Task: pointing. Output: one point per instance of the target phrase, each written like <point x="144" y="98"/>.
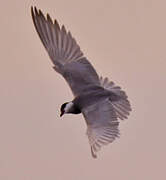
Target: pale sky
<point x="125" y="41"/>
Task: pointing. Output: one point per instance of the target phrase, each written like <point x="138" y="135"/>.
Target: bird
<point x="100" y="100"/>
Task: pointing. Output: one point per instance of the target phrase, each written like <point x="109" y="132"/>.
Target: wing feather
<point x="102" y="125"/>
<point x="64" y="52"/>
<point x="118" y="98"/>
<point x="59" y="44"/>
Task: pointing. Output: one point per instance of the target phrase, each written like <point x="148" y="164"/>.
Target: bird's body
<point x="100" y="101"/>
<point x="91" y="96"/>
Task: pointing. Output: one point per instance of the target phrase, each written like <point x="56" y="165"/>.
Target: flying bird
<point x="101" y="102"/>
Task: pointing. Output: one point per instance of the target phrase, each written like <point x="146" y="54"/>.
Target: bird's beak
<point x="62" y="113"/>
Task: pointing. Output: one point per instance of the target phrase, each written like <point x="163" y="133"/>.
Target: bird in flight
<point x="100" y="101"/>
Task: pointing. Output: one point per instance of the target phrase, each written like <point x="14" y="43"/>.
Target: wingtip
<point x="38" y="12"/>
<point x="93" y="154"/>
<point x="33" y="14"/>
<point x="57" y="24"/>
<point x="35" y="10"/>
<point x="49" y="19"/>
<point x="32" y="10"/>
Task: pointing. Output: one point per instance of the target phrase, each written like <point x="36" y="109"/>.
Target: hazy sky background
<point x="125" y="41"/>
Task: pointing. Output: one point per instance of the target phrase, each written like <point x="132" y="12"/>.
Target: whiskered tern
<point x="100" y="101"/>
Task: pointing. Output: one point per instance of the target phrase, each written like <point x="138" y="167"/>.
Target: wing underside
<point x="102" y="125"/>
<point x="118" y="98"/>
<point x="64" y="52"/>
<point x="59" y="43"/>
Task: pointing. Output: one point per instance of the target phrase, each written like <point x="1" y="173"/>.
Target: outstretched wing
<point x="65" y="53"/>
<point x="118" y="98"/>
<point x="102" y="125"/>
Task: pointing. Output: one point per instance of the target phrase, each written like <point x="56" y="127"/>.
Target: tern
<point x="101" y="102"/>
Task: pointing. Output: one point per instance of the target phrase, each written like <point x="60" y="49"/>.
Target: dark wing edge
<point x="60" y="45"/>
<point x="102" y="125"/>
<point x="118" y="98"/>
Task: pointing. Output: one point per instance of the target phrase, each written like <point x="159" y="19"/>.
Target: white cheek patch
<point x="68" y="107"/>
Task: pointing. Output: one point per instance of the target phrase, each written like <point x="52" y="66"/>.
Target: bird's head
<point x="67" y="108"/>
